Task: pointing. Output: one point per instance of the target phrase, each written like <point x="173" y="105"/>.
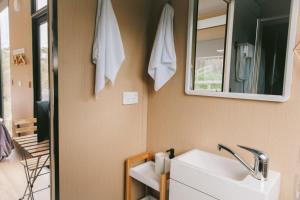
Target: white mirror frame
<point x="226" y="94"/>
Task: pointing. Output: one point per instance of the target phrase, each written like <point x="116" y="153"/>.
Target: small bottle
<point x="171" y="155"/>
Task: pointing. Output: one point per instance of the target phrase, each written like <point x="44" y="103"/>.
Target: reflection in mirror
<point x="210" y="45"/>
<point x="39" y="4"/>
<point x="260" y="37"/>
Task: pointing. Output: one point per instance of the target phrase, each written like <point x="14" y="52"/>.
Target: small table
<point x="36" y="156"/>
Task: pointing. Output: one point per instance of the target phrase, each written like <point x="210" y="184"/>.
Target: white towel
<point x="245" y="58"/>
<point x="162" y="64"/>
<point x="108" y="51"/>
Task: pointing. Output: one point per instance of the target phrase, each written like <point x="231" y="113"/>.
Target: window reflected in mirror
<point x="210" y="45"/>
<point x="39" y="4"/>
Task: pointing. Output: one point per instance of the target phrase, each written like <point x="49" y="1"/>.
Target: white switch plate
<point x="130" y="98"/>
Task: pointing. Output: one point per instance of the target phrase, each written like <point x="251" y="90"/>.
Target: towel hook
<point x="169" y="2"/>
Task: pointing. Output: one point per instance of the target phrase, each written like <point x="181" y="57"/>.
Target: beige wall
<point x="186" y="122"/>
<point x="97" y="135"/>
<point x="21" y="37"/>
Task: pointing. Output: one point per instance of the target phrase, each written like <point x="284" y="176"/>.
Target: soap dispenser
<point x="171" y="155"/>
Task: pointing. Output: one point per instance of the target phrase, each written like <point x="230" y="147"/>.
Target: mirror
<point x="241" y="48"/>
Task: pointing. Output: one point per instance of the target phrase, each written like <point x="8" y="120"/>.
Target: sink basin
<point x="222" y="178"/>
<point x="211" y="163"/>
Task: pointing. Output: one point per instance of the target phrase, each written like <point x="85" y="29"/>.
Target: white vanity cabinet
<point x="180" y="191"/>
<point x="200" y="175"/>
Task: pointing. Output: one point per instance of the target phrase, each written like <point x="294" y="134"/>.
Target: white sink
<point x="221" y="178"/>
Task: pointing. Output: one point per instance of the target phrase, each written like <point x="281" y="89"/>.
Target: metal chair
<point x="33" y="169"/>
<point x="36" y="157"/>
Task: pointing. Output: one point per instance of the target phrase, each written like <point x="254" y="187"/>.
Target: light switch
<point x="20" y="83"/>
<point x="130" y="98"/>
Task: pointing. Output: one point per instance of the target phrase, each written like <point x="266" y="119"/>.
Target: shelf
<point x="148" y="198"/>
<point x="145" y="173"/>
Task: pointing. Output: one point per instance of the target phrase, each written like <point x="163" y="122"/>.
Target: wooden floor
<point x="13" y="180"/>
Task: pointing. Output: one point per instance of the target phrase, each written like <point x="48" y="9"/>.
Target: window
<point x="43" y="32"/>
<point x="40" y="52"/>
<point x="38" y="5"/>
<point x="209" y="73"/>
<point x="41" y="4"/>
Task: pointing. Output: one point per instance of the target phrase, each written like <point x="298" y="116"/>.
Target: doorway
<point x="5" y="75"/>
<point x="25" y="87"/>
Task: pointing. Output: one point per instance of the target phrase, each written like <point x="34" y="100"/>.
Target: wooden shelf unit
<point x="139" y="164"/>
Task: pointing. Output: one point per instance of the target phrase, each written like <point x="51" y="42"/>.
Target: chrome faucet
<point x="260" y="168"/>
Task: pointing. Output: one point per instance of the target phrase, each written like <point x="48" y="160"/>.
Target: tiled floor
<point x="13" y="180"/>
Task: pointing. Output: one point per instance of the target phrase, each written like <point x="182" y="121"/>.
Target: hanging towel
<point x="245" y="66"/>
<point x="245" y="57"/>
<point x="108" y="51"/>
<point x="162" y="64"/>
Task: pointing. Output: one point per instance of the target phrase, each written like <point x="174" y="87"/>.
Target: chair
<point x="36" y="157"/>
<point x="25" y="127"/>
<point x="33" y="153"/>
<point x="33" y="169"/>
